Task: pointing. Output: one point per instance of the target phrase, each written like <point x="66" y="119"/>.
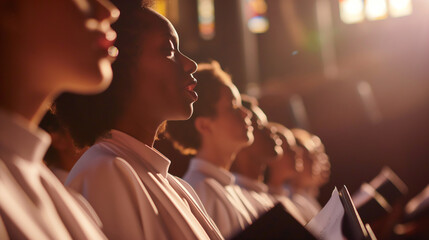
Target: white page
<point x="327" y="223"/>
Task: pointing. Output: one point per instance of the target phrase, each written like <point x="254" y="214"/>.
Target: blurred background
<point x="353" y="72"/>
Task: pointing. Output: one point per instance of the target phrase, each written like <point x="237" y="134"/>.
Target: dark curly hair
<point x="90" y="117"/>
<point x="211" y="78"/>
<point x="51" y="124"/>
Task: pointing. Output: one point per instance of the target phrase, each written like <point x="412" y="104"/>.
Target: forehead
<point x="288" y="136"/>
<point x="258" y="114"/>
<point x="155" y="23"/>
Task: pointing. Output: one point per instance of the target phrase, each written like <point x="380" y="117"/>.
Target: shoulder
<point x="199" y="179"/>
<point x="102" y="168"/>
<point x="211" y="191"/>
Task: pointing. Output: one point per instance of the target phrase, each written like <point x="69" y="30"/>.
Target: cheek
<point x="167" y="79"/>
<point x="228" y="129"/>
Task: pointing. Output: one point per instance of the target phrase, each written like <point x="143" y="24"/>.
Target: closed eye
<point x="170" y="49"/>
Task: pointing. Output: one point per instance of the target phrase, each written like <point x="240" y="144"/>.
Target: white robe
<point x="283" y="196"/>
<point x="128" y="184"/>
<point x="256" y="192"/>
<point x="308" y="206"/>
<point x="222" y="198"/>
<point x="60" y="174"/>
<point x="33" y="203"/>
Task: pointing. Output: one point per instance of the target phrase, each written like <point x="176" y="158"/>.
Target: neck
<point x="275" y="180"/>
<point x="250" y="166"/>
<point x="18" y="97"/>
<point x="278" y="176"/>
<point x="217" y="156"/>
<point x="23" y="92"/>
<point x="144" y="131"/>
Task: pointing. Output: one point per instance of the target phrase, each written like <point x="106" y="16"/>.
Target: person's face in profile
<point x="288" y="160"/>
<point x="305" y="176"/>
<point x="65" y="42"/>
<point x="321" y="167"/>
<point x="267" y="144"/>
<point x="164" y="75"/>
<point x="231" y="127"/>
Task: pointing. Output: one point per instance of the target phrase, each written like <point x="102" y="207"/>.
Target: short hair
<point x="284" y="131"/>
<point x="90" y="117"/>
<point x="303" y="139"/>
<point x="248" y="101"/>
<point x="211" y="78"/>
<point x="252" y="104"/>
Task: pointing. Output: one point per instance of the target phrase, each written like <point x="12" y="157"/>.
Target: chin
<point x="105" y="76"/>
<point x="184" y="114"/>
<point x="95" y="80"/>
<point x="250" y="138"/>
<point x="246" y="141"/>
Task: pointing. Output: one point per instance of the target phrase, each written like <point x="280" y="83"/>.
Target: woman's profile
<point x="121" y="175"/>
<point x="47" y="47"/>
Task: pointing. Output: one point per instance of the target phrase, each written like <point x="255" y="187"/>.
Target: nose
<point x="105" y="12"/>
<point x="276" y="139"/>
<point x="246" y="114"/>
<point x="188" y="64"/>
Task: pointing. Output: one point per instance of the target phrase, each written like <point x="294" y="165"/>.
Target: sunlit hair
<point x="211" y="78"/>
<point x="90" y="117"/>
<point x="284" y="131"/>
<point x="303" y="139"/>
<point x="248" y="102"/>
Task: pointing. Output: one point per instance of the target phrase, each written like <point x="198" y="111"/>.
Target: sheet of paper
<point x="327" y="223"/>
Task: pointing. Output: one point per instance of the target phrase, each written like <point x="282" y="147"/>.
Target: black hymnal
<point x="353" y="227"/>
<point x="276" y="224"/>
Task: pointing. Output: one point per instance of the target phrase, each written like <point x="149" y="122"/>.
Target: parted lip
<point x="106" y="39"/>
<point x="191" y="84"/>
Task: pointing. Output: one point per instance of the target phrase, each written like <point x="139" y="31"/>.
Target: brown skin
<point x="252" y="161"/>
<point x="284" y="169"/>
<point x="159" y="82"/>
<point x="42" y="58"/>
<point x="225" y="134"/>
<point x="316" y="165"/>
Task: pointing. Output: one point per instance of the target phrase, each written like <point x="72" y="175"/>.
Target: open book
<point x="276" y="224"/>
<point x="337" y="220"/>
<point x="353" y="227"/>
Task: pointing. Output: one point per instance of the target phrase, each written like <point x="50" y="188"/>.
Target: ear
<point x="203" y="125"/>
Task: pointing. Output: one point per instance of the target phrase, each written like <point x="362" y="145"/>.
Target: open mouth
<point x="191" y="86"/>
<point x="190" y="90"/>
<point x="105" y="42"/>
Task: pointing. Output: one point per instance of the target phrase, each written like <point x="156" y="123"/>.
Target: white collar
<point x="147" y="154"/>
<point x="221" y="175"/>
<point x="250" y="184"/>
<point x="30" y="143"/>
